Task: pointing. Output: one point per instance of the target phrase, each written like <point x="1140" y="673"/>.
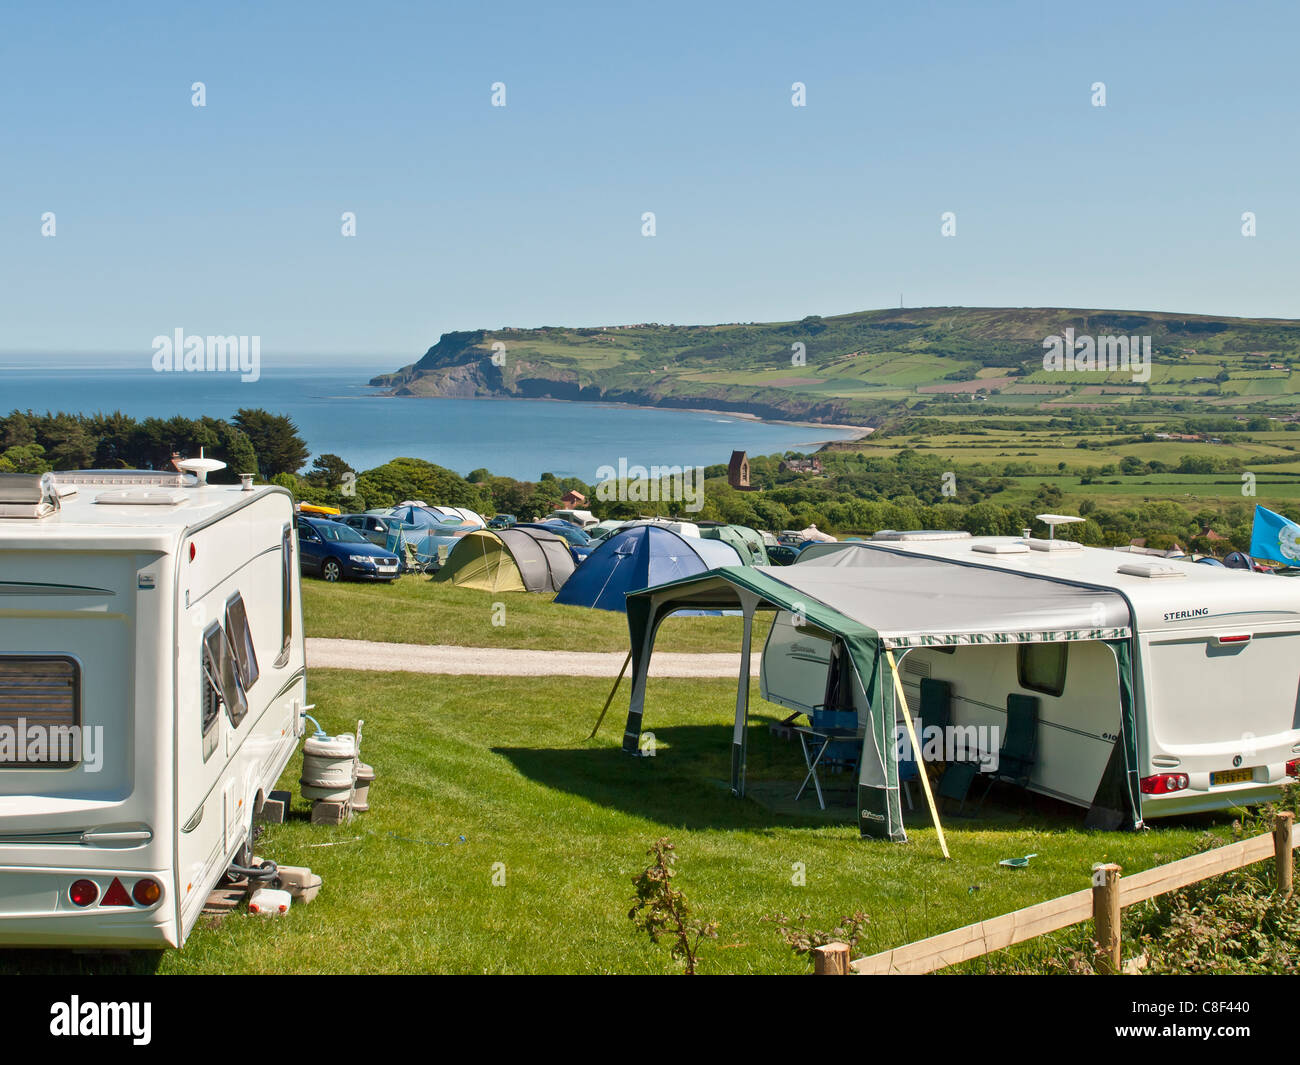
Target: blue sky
<point x="226" y="218"/>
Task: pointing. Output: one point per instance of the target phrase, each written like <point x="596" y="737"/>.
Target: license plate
<point x="1232" y="776"/>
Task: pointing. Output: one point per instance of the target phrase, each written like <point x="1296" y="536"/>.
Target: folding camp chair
<point x="1019" y="748"/>
<point x="936" y="703"/>
<point x="1016" y="755"/>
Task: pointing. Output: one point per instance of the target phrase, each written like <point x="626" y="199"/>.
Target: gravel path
<point x="501" y="662"/>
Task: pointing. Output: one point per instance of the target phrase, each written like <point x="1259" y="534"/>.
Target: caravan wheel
<point x="331" y="570"/>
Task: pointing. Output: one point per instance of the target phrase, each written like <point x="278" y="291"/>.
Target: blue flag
<point x="1275" y="538"/>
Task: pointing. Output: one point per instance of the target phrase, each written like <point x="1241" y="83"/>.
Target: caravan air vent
<point x="27" y="495"/>
<point x="921" y="535"/>
<point x="1151" y="569"/>
<point x="1054" y="545"/>
<point x="143" y="497"/>
<point x="1001" y="547"/>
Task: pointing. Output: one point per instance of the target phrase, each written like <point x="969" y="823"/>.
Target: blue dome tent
<point x="637" y="557"/>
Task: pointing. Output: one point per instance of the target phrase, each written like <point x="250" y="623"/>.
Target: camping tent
<point x="890" y="600"/>
<point x="747" y="543"/>
<point x="509" y="560"/>
<point x="815" y="535"/>
<point x="423" y="516"/>
<point x="638" y="556"/>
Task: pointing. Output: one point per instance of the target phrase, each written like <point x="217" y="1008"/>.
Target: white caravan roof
<point x="914" y="589"/>
<point x="105" y="517"/>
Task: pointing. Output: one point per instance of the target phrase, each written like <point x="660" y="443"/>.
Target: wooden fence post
<point x="1105" y="917"/>
<point x="831" y="960"/>
<point x="1282" y="851"/>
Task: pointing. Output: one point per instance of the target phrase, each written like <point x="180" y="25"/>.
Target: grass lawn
<point x="417" y="610"/>
<point x="505" y="763"/>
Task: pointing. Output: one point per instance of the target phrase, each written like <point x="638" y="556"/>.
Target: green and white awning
<point x="889" y="600"/>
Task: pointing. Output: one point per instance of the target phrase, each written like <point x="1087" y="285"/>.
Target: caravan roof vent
<point x="1152" y="570"/>
<point x="1001" y="547"/>
<point x="921" y="535"/>
<point x="24" y="495"/>
<point x="1054" y="545"/>
<point x="143" y="497"/>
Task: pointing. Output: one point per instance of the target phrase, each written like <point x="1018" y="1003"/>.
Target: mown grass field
<point x="505" y="764"/>
<point x="415" y="609"/>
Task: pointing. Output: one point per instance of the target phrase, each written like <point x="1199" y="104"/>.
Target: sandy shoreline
<point x="857" y="432"/>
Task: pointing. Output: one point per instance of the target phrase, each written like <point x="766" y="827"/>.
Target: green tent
<point x="912" y="602"/>
<point x="746" y="542"/>
<point x="508" y="560"/>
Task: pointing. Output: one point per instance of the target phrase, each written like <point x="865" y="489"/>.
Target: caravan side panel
<point x="225" y="767"/>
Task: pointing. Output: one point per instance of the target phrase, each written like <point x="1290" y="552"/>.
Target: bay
<point x="336" y="411"/>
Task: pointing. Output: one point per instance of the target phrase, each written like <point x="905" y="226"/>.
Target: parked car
<point x="374" y="527"/>
<point x="502" y="521"/>
<point x="333" y="551"/>
<point x="580" y="544"/>
<point x="782" y="554"/>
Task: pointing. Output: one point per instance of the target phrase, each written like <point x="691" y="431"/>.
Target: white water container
<point x="269" y="902"/>
<point x="314" y="793"/>
<point x="330" y="762"/>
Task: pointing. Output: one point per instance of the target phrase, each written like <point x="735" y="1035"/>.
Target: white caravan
<point x="1154" y="687"/>
<point x="152" y="690"/>
<point x="1216" y="660"/>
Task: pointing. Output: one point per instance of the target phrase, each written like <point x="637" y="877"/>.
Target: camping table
<point x="815" y="742"/>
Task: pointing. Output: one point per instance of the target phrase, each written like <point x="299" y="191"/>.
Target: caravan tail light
<point x="83" y="892"/>
<point x="146" y="892"/>
<point x="1293" y="768"/>
<point x="1163" y="783"/>
<point x="1241" y="638"/>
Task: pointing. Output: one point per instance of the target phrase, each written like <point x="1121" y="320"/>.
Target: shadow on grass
<point x="687" y="784"/>
<point x="80" y="963"/>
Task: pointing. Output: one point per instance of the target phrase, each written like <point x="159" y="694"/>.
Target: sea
<point x="336" y="411"/>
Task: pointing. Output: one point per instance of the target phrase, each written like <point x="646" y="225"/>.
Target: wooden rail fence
<point x="1102" y="903"/>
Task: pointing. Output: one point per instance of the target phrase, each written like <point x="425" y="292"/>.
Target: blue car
<point x="580" y="544"/>
<point x="334" y="552"/>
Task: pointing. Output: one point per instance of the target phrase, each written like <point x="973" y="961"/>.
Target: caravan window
<point x="45" y="691"/>
<point x="210" y="702"/>
<point x="286" y="593"/>
<point x="1041" y="667"/>
<point x="241" y="639"/>
<point x="221" y="671"/>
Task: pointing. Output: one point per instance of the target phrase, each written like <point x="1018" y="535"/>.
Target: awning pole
<point x="611" y="696"/>
<point x="916" y="750"/>
<point x="740" y="731"/>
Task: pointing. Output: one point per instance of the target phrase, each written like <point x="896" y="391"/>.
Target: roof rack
<point x="125" y="479"/>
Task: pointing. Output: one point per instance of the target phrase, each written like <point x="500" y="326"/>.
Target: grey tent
<point x="509" y="560"/>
